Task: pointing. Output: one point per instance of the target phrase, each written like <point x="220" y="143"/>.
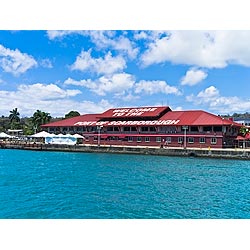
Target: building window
<point x="217" y="128"/>
<point x="116" y="129"/>
<point x="180" y="139"/>
<point x="114" y="138"/>
<point x="130" y="139"/>
<point x="213" y="140"/>
<point x="109" y="129"/>
<point x="144" y="129"/>
<point x="162" y="129"/>
<point x="207" y="128"/>
<point x="138" y="139"/>
<point x="79" y="129"/>
<point x="158" y="139"/>
<point x="147" y="139"/>
<point x="91" y="129"/>
<point x="126" y="129"/>
<point x="194" y="129"/>
<point x="202" y="140"/>
<point x="133" y="129"/>
<point x="152" y="129"/>
<point x="168" y="140"/>
<point x="190" y="139"/>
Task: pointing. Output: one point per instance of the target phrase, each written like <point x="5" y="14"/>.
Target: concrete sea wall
<point x="189" y="152"/>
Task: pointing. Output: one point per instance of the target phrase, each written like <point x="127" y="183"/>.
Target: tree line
<point x="238" y="116"/>
<point x="30" y="125"/>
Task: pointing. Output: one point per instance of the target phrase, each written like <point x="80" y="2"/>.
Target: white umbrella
<point x="61" y="135"/>
<point x="77" y="136"/>
<point x="4" y="135"/>
<point x="41" y="134"/>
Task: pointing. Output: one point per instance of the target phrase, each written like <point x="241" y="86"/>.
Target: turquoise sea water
<point x="84" y="185"/>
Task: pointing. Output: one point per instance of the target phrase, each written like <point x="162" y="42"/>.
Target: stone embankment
<point x="189" y="152"/>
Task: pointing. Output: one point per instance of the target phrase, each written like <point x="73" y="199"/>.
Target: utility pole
<point x="99" y="135"/>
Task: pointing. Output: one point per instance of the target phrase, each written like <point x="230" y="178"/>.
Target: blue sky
<point x="91" y="71"/>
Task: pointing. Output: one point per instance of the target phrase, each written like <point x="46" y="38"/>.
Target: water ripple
<point x="81" y="185"/>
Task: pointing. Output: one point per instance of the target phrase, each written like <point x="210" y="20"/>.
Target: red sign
<point x="134" y="112"/>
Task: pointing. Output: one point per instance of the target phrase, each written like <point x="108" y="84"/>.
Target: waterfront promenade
<point x="227" y="153"/>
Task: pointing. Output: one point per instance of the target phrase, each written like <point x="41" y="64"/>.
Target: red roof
<point x="196" y="117"/>
<point x="246" y="137"/>
<point x="180" y="118"/>
<point x="240" y="138"/>
<point x="73" y="121"/>
<point x="135" y="112"/>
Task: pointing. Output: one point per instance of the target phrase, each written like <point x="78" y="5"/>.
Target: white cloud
<point x="211" y="98"/>
<point x="49" y="98"/>
<point x="46" y="63"/>
<point x="127" y="97"/>
<point x="211" y="49"/>
<point x="209" y="93"/>
<point x="45" y="92"/>
<point x="154" y="87"/>
<point x="102" y="39"/>
<point x="117" y="83"/>
<point x="106" y="65"/>
<point x="107" y="39"/>
<point x="54" y="34"/>
<point x="15" y="62"/>
<point x="139" y="35"/>
<point x="124" y="44"/>
<point x="99" y="35"/>
<point x="193" y="76"/>
<point x="178" y="108"/>
<point x="90" y="84"/>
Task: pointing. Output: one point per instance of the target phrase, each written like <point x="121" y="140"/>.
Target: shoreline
<point x="229" y="153"/>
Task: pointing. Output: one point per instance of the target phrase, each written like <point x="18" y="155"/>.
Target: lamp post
<point x="99" y="134"/>
<point x="185" y="136"/>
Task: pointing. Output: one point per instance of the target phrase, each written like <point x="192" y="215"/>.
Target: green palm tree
<point x="14" y="118"/>
<point x="39" y="118"/>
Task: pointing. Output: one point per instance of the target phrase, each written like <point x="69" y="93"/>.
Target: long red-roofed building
<point x="151" y="126"/>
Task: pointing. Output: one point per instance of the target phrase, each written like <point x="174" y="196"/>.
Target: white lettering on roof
<point x="138" y="123"/>
<point x="132" y="112"/>
<point x="88" y="123"/>
<point x="85" y="123"/>
<point x="126" y="123"/>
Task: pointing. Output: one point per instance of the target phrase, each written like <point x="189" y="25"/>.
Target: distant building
<point x="243" y="122"/>
<point x="15" y="132"/>
<point x="151" y="126"/>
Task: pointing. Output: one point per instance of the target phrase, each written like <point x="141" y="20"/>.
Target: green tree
<point x="244" y="131"/>
<point x="28" y="127"/>
<point x="72" y="114"/>
<point x="39" y="118"/>
<point x="14" y="119"/>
